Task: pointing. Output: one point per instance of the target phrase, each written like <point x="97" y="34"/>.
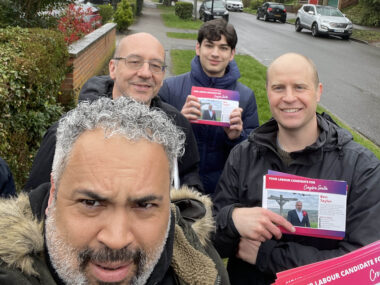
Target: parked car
<point x="218" y="11"/>
<point x="234" y="5"/>
<point x="323" y="20"/>
<point x="272" y="11"/>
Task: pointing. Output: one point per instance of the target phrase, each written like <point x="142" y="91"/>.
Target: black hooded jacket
<point x="101" y="86"/>
<point x="333" y="156"/>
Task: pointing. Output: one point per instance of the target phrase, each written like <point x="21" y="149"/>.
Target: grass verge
<point x="250" y="11"/>
<point x="365" y="35"/>
<point x="172" y="21"/>
<point x="253" y="74"/>
<point x="186" y="36"/>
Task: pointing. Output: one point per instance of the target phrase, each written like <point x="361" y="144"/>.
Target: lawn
<point x="186" y="36"/>
<point x="253" y="75"/>
<point x="172" y="21"/>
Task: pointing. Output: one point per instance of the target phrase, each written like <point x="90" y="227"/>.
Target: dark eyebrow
<point x="145" y="199"/>
<point x="90" y="194"/>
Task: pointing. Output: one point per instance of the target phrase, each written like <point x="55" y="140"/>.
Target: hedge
<point x="184" y="10"/>
<point x="32" y="68"/>
<point x="106" y="12"/>
<point x="123" y="16"/>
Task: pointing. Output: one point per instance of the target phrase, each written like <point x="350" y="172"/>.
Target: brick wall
<point x="87" y="58"/>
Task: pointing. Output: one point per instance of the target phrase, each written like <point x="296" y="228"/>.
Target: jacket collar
<point x="331" y="137"/>
<point x="200" y="78"/>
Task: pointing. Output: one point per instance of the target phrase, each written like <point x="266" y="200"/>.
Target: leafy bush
<point x="106" y="12"/>
<point x="184" y="10"/>
<point x="76" y="22"/>
<point x="123" y="16"/>
<point x="246" y="3"/>
<point x="370" y="14"/>
<point x="133" y="6"/>
<point x="32" y="68"/>
<point x="256" y="4"/>
<point x="29" y="13"/>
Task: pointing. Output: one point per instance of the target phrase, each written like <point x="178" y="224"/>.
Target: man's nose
<point x="144" y="70"/>
<point x="116" y="232"/>
<point x="289" y="94"/>
<point x="215" y="51"/>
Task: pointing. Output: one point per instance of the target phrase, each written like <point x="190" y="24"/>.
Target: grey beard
<point x="68" y="263"/>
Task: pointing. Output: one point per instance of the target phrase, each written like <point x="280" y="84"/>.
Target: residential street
<point x="349" y="70"/>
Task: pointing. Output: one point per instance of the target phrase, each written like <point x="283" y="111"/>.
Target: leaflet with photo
<point x="316" y="207"/>
<point x="216" y="105"/>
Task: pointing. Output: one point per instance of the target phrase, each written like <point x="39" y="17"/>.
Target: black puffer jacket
<point x="333" y="156"/>
<point x="93" y="89"/>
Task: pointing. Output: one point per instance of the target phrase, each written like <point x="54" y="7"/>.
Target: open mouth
<point x="111" y="272"/>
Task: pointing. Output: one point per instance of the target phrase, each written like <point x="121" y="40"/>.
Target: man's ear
<point x="51" y="194"/>
<point x="197" y="48"/>
<point x="112" y="65"/>
<point x="319" y="91"/>
<point x="232" y="54"/>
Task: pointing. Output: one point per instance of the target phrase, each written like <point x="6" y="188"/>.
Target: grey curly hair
<point x="123" y="116"/>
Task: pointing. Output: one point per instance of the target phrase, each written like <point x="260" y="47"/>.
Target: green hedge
<point x="123" y="16"/>
<point x="32" y="68"/>
<point x="106" y="12"/>
<point x="184" y="10"/>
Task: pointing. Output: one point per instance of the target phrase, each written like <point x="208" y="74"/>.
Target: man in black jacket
<point x="137" y="70"/>
<point x="300" y="142"/>
<point x="107" y="216"/>
<point x="7" y="185"/>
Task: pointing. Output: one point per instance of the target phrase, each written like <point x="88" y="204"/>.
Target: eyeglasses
<point x="135" y="63"/>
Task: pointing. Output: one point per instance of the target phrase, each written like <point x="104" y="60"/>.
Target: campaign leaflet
<point x="216" y="105"/>
<point x="361" y="266"/>
<point x="323" y="203"/>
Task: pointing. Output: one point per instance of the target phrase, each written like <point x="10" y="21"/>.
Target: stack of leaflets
<point x="361" y="266"/>
<point x="323" y="203"/>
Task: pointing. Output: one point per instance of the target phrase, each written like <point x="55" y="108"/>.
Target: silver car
<point x="323" y="20"/>
<point x="234" y="5"/>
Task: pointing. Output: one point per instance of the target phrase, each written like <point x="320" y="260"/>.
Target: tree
<point x="28" y="13"/>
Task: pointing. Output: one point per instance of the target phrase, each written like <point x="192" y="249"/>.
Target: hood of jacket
<point x="200" y="78"/>
<point x="331" y="138"/>
<point x="24" y="236"/>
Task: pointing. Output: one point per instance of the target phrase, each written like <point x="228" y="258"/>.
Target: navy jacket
<point x="7" y="185"/>
<point x="213" y="144"/>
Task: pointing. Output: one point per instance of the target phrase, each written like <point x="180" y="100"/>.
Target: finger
<point x="192" y="98"/>
<point x="235" y="121"/>
<point x="281" y="221"/>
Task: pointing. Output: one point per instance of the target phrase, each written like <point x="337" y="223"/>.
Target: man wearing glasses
<point x="137" y="70"/>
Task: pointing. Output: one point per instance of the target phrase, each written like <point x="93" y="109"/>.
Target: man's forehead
<point x="148" y="48"/>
